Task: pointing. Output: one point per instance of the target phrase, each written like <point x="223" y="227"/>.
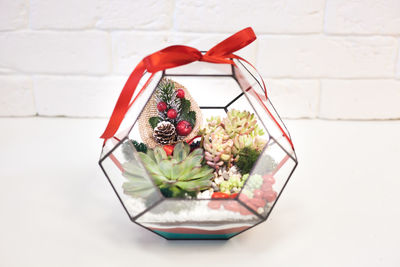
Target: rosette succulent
<point x="218" y="148"/>
<point x="137" y="184"/>
<point x="212" y="124"/>
<point x="234" y="136"/>
<point x="179" y="175"/>
<point x="242" y="141"/>
<point x="241" y="123"/>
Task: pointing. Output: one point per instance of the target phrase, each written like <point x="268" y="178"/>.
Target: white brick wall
<point x="14" y="14"/>
<point x="16" y="96"/>
<point x="333" y="59"/>
<point x="358" y="98"/>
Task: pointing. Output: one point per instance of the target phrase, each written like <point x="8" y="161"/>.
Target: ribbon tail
<point x="233" y="43"/>
<point x="124" y="99"/>
<point x="266" y="98"/>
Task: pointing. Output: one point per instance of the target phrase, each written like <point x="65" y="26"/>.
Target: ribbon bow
<point x="175" y="56"/>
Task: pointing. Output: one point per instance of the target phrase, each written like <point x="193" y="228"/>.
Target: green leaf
<point x="151" y="165"/>
<point x="185" y="106"/>
<point x="136" y="191"/>
<point x="166" y="168"/>
<point x="154" y="121"/>
<point x="190" y="117"/>
<point x="150" y="153"/>
<point x="205" y="172"/>
<point x="134" y="169"/>
<point x="180" y="151"/>
<point x="159" y="154"/>
<point x="194" y="185"/>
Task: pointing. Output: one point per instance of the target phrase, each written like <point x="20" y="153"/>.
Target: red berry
<point x="168" y="149"/>
<point x="183" y="128"/>
<point x="171" y="113"/>
<point x="161" y="106"/>
<point x="180" y="93"/>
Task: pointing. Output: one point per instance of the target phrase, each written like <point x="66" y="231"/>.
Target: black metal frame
<point x="225" y="108"/>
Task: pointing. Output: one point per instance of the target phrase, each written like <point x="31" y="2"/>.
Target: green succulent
<point x="233" y="184"/>
<point x="212" y="124"/>
<point x="179" y="175"/>
<point x="137" y="184"/>
<point x="127" y="148"/>
<point x="255" y="182"/>
<point x="242" y="141"/>
<point x="241" y="123"/>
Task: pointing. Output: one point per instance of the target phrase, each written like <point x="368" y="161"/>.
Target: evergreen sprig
<point x="165" y="90"/>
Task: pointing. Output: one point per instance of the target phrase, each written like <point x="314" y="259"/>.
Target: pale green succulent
<point x="178" y="175"/>
<point x="211" y="125"/>
<point x="242" y="141"/>
<point x="233" y="184"/>
<point x="254" y="182"/>
<point x="241" y="123"/>
<point x="137" y="184"/>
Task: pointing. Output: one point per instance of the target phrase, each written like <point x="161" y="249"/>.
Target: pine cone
<point x="164" y="133"/>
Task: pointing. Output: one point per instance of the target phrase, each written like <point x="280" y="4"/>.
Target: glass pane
<point x="254" y="92"/>
<point x="129" y="179"/>
<point x="267" y="179"/>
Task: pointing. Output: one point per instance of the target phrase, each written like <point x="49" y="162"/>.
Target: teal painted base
<point x="193" y="236"/>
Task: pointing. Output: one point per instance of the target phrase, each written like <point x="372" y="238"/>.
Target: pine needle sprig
<point x="166" y="93"/>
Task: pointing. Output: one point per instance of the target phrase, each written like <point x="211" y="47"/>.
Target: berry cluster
<point x="174" y="112"/>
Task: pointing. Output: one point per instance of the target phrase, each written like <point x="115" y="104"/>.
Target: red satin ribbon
<point x="174" y="56"/>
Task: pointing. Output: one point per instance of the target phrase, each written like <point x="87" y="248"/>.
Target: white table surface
<point x="341" y="208"/>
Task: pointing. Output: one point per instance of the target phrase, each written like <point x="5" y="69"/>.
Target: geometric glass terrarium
<point x="214" y="205"/>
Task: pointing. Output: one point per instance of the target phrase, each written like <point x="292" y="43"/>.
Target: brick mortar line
<point x="397" y="61"/>
<point x="122" y="75"/>
<point x="176" y="31"/>
<point x="284" y="118"/>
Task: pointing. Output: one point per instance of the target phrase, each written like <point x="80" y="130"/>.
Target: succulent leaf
<point x="180" y="152"/>
<point x="137" y="184"/>
<point x="180" y="174"/>
<point x="159" y="154"/>
<point x="165" y="167"/>
<point x="150" y="153"/>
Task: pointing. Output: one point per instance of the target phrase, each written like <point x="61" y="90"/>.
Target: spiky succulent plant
<point x="242" y="141"/>
<point x="241" y="123"/>
<point x="212" y="124"/>
<point x="179" y="175"/>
